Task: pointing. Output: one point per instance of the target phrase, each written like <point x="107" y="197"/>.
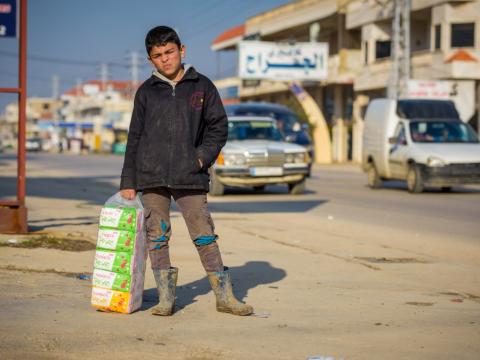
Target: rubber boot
<point x="226" y="302"/>
<point x="166" y="284"/>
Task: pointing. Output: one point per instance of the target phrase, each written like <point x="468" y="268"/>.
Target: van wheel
<point x="414" y="179"/>
<point x="374" y="181"/>
<point x="297" y="188"/>
<point x="216" y="187"/>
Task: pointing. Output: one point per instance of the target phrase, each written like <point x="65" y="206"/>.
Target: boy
<point x="177" y="130"/>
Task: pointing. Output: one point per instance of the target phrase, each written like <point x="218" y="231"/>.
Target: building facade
<point x="445" y="45"/>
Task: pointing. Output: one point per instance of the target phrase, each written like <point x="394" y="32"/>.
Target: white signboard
<point x="282" y="61"/>
<point x="461" y="92"/>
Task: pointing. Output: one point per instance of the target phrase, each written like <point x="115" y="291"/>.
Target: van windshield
<point x="442" y="132"/>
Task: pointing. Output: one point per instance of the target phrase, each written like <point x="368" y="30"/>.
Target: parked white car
<point x="421" y="141"/>
<point x="256" y="155"/>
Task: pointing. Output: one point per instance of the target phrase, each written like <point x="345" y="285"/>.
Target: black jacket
<point x="171" y="128"/>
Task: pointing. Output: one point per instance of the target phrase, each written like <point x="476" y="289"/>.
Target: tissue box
<point x="120" y="262"/>
<point x="117" y="301"/>
<point x="111" y="280"/>
<point x="116" y="240"/>
<point x="121" y="218"/>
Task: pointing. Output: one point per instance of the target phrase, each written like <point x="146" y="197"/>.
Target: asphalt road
<point x="337" y="191"/>
<point x="340" y="271"/>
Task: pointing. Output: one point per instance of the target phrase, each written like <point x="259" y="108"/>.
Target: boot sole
<point x="162" y="312"/>
<point x="230" y="311"/>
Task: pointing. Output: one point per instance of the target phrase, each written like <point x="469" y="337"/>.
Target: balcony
<point x="424" y="65"/>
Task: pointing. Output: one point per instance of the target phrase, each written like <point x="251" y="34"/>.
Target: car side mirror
<point x="392" y="140"/>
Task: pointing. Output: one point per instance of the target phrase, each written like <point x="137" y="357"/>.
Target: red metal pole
<point x="13" y="214"/>
<point x="22" y="103"/>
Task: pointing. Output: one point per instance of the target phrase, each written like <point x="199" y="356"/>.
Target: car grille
<point x="270" y="158"/>
<point x="464" y="169"/>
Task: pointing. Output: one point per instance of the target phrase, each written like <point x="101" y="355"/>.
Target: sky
<point x="71" y="38"/>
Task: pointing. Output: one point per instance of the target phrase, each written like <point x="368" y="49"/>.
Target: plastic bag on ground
<point x="120" y="258"/>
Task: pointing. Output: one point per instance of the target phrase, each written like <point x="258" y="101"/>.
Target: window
<point x="400" y="135"/>
<point x="463" y="35"/>
<point x="382" y="49"/>
<point x="365" y="49"/>
<point x="438" y="36"/>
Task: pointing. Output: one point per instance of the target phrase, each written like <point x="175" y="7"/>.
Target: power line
<point x="62" y="61"/>
<point x="216" y="23"/>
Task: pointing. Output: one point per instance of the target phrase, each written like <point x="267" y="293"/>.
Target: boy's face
<point x="167" y="59"/>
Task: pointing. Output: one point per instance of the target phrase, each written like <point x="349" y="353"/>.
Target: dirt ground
<point x="321" y="285"/>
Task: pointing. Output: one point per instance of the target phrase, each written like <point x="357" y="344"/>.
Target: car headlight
<point x="295" y="158"/>
<point x="234" y="159"/>
<point x="435" y="162"/>
<point x="301" y="158"/>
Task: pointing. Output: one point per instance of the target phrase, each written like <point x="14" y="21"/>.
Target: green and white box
<point x="120" y="218"/>
<point x="111" y="280"/>
<point x="116" y="240"/>
<point x="119" y="262"/>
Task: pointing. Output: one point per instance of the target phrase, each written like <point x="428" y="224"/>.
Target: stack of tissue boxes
<point x="120" y="260"/>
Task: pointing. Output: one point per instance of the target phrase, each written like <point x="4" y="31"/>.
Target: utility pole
<point x="55" y="86"/>
<point x="104" y="75"/>
<point x="400" y="45"/>
<point x="78" y="91"/>
<point x="134" y="67"/>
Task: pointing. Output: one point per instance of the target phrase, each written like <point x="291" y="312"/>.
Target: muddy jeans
<point x="193" y="205"/>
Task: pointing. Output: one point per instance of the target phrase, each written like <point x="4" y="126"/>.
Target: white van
<point x="421" y="141"/>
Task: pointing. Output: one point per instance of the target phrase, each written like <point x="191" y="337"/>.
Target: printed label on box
<point x="117" y="240"/>
<point x="113" y="261"/>
<point x="110" y="300"/>
<point x="111" y="280"/>
<point x="118" y="218"/>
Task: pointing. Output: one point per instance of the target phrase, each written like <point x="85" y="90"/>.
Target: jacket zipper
<point x="172" y="128"/>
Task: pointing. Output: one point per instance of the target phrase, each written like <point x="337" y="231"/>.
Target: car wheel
<point x="216" y="187"/>
<point x="297" y="188"/>
<point x="373" y="178"/>
<point x="259" y="188"/>
<point x="414" y="179"/>
<point x="446" y="189"/>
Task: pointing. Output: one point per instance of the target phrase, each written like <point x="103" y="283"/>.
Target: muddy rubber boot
<point x="166" y="284"/>
<point x="226" y="302"/>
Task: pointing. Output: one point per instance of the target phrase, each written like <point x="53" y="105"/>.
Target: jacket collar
<point x="190" y="74"/>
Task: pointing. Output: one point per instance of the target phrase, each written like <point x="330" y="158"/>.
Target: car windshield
<point x="253" y="130"/>
<point x="442" y="132"/>
<point x="286" y="119"/>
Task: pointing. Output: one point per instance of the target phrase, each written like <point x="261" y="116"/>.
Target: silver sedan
<point x="257" y="155"/>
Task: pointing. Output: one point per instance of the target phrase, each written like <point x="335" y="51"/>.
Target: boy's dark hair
<point x="160" y="36"/>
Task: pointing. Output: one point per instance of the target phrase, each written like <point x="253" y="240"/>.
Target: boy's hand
<point x="128" y="194"/>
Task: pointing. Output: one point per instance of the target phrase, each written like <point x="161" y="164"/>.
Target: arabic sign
<point x="278" y="61"/>
<point x="8" y="18"/>
<point x="462" y="92"/>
